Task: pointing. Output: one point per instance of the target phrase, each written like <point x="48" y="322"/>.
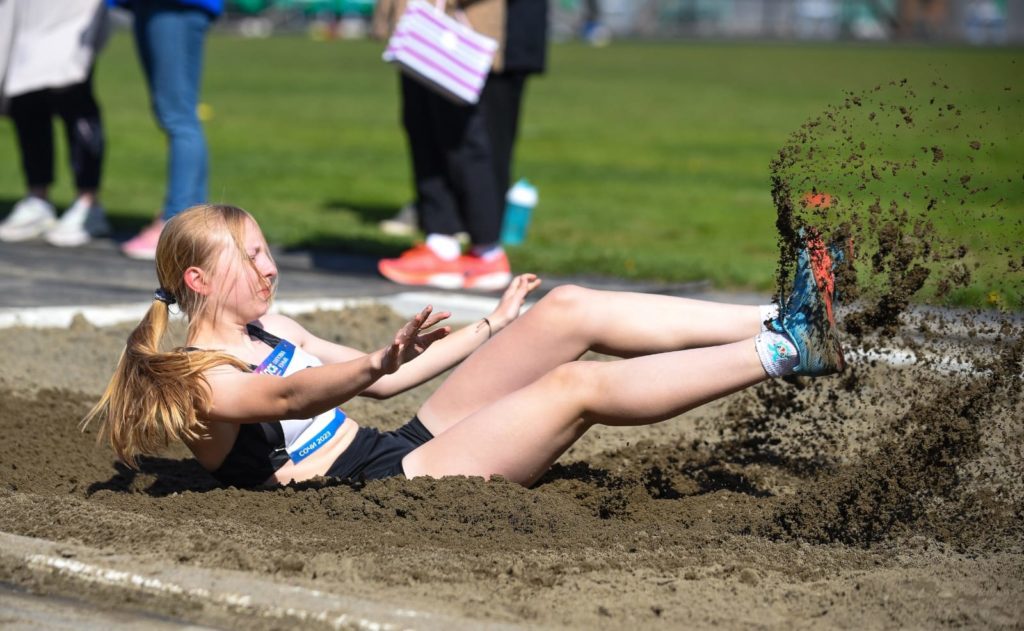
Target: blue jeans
<point x="169" y="39"/>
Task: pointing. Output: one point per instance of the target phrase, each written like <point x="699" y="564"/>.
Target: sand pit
<point x="888" y="496"/>
<point x="884" y="497"/>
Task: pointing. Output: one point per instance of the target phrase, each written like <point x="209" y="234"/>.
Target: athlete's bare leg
<point x="568" y="322"/>
<point x="522" y="433"/>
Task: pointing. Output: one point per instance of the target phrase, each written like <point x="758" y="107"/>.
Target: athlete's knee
<point x="567" y="301"/>
<point x="579" y="379"/>
<point x="567" y="296"/>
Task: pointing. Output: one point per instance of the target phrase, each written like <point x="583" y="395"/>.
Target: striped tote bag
<point x="443" y="53"/>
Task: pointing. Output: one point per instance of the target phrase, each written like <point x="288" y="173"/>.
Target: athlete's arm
<point x="444" y="353"/>
<point x="456" y="347"/>
<point x="238" y="397"/>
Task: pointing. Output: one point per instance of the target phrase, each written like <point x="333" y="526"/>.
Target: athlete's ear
<point x="195" y="279"/>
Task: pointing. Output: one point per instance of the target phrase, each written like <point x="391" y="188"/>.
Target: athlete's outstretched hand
<point x="414" y="338"/>
<point x="512" y="301"/>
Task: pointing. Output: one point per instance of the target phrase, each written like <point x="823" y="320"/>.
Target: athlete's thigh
<point x="518" y="436"/>
<point x="523" y="352"/>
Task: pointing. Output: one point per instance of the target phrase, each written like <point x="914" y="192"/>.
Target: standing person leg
<point x="170" y="45"/>
<point x="435" y="263"/>
<point x="34" y="215"/>
<point x="434" y="194"/>
<point x="470" y="159"/>
<point x="471" y="162"/>
<point x="501" y="102"/>
<point x="83" y="127"/>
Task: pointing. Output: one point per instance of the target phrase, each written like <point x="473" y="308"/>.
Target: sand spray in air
<point x="912" y="177"/>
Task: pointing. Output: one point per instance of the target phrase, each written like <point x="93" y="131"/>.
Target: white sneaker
<point x="29" y="218"/>
<point x="78" y="225"/>
<point x="402" y="224"/>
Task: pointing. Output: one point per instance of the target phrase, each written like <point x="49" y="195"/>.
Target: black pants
<point x="33" y="120"/>
<point x="501" y="101"/>
<point x="453" y="165"/>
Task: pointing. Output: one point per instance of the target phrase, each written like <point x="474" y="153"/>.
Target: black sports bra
<point x="259" y="448"/>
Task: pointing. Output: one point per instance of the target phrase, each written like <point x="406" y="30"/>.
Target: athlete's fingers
<point x="423" y="315"/>
<point x="416" y="322"/>
<point x="390" y="359"/>
<point x="513" y="287"/>
<point x="435" y="318"/>
<point x="432" y="336"/>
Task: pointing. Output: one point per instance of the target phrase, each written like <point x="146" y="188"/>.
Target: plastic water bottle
<point x="519" y="204"/>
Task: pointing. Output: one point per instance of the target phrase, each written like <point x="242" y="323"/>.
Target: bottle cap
<point x="523" y="194"/>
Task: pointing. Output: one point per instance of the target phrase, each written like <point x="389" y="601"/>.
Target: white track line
<point x="407" y="304"/>
<point x="233" y="601"/>
<point x="233" y="592"/>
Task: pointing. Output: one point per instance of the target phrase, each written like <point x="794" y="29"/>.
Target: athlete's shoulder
<point x="282" y="326"/>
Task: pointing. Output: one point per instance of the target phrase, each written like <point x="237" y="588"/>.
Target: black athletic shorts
<point x="374" y="454"/>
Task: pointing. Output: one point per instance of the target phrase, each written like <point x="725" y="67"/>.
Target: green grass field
<point x="652" y="160"/>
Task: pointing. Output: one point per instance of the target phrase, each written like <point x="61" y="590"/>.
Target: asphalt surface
<point x="34" y="274"/>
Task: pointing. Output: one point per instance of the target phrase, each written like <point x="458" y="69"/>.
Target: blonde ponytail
<point x="153" y="396"/>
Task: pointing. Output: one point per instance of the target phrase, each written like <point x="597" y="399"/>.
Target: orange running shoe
<point x="421" y="266"/>
<point x="485" y="274"/>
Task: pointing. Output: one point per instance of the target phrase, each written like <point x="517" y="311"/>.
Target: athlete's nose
<point x="266" y="267"/>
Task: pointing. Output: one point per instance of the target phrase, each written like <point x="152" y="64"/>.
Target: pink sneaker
<point x="143" y="245"/>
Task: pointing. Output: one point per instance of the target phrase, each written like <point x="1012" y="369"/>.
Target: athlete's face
<point x="249" y="281"/>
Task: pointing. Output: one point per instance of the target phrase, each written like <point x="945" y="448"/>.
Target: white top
<point x="48" y="43"/>
<point x="301" y="436"/>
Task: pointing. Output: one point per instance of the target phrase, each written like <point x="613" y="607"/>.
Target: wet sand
<point x="882" y="497"/>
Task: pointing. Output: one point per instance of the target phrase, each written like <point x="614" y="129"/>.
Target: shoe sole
<point x="140" y="256"/>
<point x="67" y="242"/>
<point x="488" y="282"/>
<point x="71" y="240"/>
<point x="821" y="262"/>
<point x="13" y="235"/>
<point x="447" y="280"/>
<point x="395" y="228"/>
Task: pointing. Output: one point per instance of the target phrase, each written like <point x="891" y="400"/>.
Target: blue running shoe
<point x="807" y="317"/>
